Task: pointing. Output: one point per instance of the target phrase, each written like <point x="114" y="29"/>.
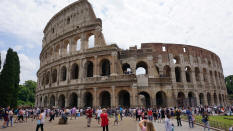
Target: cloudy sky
<point x="204" y="23"/>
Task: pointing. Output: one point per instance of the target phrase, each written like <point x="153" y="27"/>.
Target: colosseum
<point x="78" y="68"/>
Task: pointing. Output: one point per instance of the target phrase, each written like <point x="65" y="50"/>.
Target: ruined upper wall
<point x="75" y="17"/>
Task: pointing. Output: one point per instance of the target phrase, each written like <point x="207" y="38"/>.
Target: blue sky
<point x="204" y="23"/>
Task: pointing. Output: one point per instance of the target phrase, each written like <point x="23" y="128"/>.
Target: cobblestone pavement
<point x="128" y="124"/>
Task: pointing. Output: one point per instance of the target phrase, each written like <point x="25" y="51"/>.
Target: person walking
<point x="11" y="117"/>
<point x="190" y="117"/>
<point x="5" y="117"/>
<point x="104" y="119"/>
<point x="40" y="121"/>
<point x="168" y="124"/>
<point x="178" y="118"/>
<point x="98" y="113"/>
<point x="146" y="125"/>
<point x="205" y="120"/>
<point x="89" y="116"/>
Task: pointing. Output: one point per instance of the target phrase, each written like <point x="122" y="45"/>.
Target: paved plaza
<point x="128" y="124"/>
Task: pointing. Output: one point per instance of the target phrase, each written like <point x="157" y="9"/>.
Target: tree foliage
<point x="229" y="84"/>
<point x="9" y="79"/>
<point x="26" y="94"/>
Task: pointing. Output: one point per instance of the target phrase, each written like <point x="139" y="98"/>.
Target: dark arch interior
<point x="191" y="99"/>
<point x="143" y="65"/>
<point x="45" y="101"/>
<point x="161" y="100"/>
<point x="126" y="68"/>
<point x="105" y="99"/>
<point x="167" y="71"/>
<point x="181" y="99"/>
<point x="209" y="98"/>
<point x="52" y="101"/>
<point x="201" y="98"/>
<point x="88" y="99"/>
<point x="54" y="76"/>
<point x="89" y="69"/>
<point x="105" y="66"/>
<point x="178" y="74"/>
<point x="215" y="99"/>
<point x="73" y="100"/>
<point x="146" y="100"/>
<point x="124" y="99"/>
<point x="74" y="71"/>
<point x="47" y="78"/>
<point x="61" y="101"/>
<point x="188" y="74"/>
<point x="197" y="74"/>
<point x="63" y="73"/>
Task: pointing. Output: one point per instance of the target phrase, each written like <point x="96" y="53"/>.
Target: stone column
<point x="84" y="42"/>
<point x="113" y="100"/>
<point x="133" y="101"/>
<point x="96" y="67"/>
<point x="95" y="98"/>
<point x="151" y="70"/>
<point x="66" y="100"/>
<point x="73" y="46"/>
<point x="183" y="76"/>
<point x="113" y="65"/>
<point x="56" y="100"/>
<point x="79" y="98"/>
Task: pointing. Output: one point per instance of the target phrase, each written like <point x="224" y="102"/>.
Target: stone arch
<point x="201" y="98"/>
<point x="167" y="71"/>
<point x="58" y="50"/>
<point x="197" y="73"/>
<point x="220" y="99"/>
<point x="52" y="101"/>
<point x="89" y="68"/>
<point x="41" y="100"/>
<point x="144" y="98"/>
<point x="124" y="98"/>
<point x="126" y="68"/>
<point x="74" y="71"/>
<point x="141" y="65"/>
<point x="188" y="74"/>
<point x="215" y="99"/>
<point x="178" y="74"/>
<point x="181" y="99"/>
<point x="91" y="40"/>
<point x="77" y="40"/>
<point x="54" y="75"/>
<point x="105" y="67"/>
<point x="191" y="99"/>
<point x="176" y="59"/>
<point x="208" y="98"/>
<point x="157" y="70"/>
<point x="73" y="100"/>
<point x="88" y="99"/>
<point x="61" y="101"/>
<point x="63" y="73"/>
<point x="67" y="46"/>
<point x="47" y="78"/>
<point x="161" y="99"/>
<point x="211" y="76"/>
<point x="205" y="74"/>
<point x="45" y="101"/>
<point x="105" y="99"/>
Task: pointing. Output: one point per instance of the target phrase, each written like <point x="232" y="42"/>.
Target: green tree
<point x="229" y="84"/>
<point x="9" y="79"/>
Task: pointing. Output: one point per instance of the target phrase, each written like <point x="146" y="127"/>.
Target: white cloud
<point x="204" y="23"/>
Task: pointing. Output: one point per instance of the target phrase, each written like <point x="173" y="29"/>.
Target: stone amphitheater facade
<point x="75" y="73"/>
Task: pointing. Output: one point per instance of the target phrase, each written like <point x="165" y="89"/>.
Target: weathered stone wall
<point x="105" y="75"/>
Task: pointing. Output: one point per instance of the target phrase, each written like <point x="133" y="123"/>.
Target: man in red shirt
<point x="150" y="113"/>
<point x="89" y="116"/>
<point x="104" y="120"/>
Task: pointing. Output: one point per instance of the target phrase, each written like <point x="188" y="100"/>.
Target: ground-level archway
<point x="105" y="99"/>
<point x="201" y="98"/>
<point x="181" y="99"/>
<point x="124" y="98"/>
<point x="161" y="99"/>
<point x="208" y="99"/>
<point x="144" y="99"/>
<point x="215" y="99"/>
<point x="45" y="101"/>
<point x="73" y="100"/>
<point x="88" y="99"/>
<point x="52" y="101"/>
<point x="61" y="101"/>
<point x="191" y="99"/>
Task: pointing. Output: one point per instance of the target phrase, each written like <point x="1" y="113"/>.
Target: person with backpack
<point x="205" y="120"/>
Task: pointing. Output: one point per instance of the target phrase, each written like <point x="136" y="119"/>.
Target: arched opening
<point x="126" y="69"/>
<point x="63" y="73"/>
<point x="220" y="99"/>
<point x="157" y="70"/>
<point x="78" y="46"/>
<point x="201" y="98"/>
<point x="41" y="101"/>
<point x="73" y="100"/>
<point x="54" y="76"/>
<point x="191" y="99"/>
<point x="188" y="74"/>
<point x="88" y="99"/>
<point x="74" y="71"/>
<point x="124" y="98"/>
<point x="181" y="99"/>
<point x="57" y="50"/>
<point x="105" y="99"/>
<point x="176" y="60"/>
<point x="141" y="68"/>
<point x="91" y="41"/>
<point x="89" y="69"/>
<point x="166" y="71"/>
<point x="61" y="101"/>
<point x="45" y="101"/>
<point x="209" y="99"/>
<point x="197" y="74"/>
<point x="215" y="99"/>
<point x="68" y="49"/>
<point x="52" y="101"/>
<point x="211" y="77"/>
<point x="144" y="99"/>
<point x="204" y="74"/>
<point x="105" y="67"/>
<point x="178" y="74"/>
<point x="161" y="99"/>
<point x="47" y="78"/>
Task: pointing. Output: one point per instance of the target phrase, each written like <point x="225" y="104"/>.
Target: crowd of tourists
<point x="145" y="116"/>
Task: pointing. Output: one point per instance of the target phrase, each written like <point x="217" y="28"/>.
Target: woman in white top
<point x="168" y="123"/>
<point x="40" y="121"/>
